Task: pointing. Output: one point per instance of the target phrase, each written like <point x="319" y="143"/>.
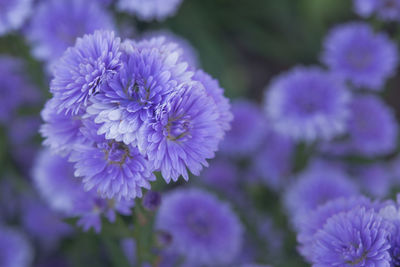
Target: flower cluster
<point x="387" y="10"/>
<point x="122" y="110"/>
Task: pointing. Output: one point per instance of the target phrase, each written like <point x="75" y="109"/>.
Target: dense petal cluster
<point x="358" y="54"/>
<point x="150" y="9"/>
<point x="204" y="230"/>
<point x="54" y="178"/>
<point x="56" y="24"/>
<point x="308" y="104"/>
<point x="13" y="13"/>
<point x="122" y="110"/>
<point x="15" y="251"/>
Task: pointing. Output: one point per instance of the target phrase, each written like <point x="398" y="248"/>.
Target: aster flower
<point x="391" y="214"/>
<point x="317" y="185"/>
<point x="84" y="68"/>
<point x="183" y="133"/>
<point x="309" y="223"/>
<point x="372" y="128"/>
<point x="53" y="176"/>
<point x="247" y="129"/>
<point x="112" y="169"/>
<point x="150" y="9"/>
<point x="15" y="250"/>
<point x="365" y="8"/>
<point x="13" y="13"/>
<point x="56" y="24"/>
<point x="189" y="53"/>
<point x="217" y="94"/>
<point x="203" y="229"/>
<point x="307" y="104"/>
<point x="222" y="175"/>
<point x="375" y="179"/>
<point x="273" y="162"/>
<point x="61" y="131"/>
<point x="358" y="54"/>
<point x="358" y="237"/>
<point x="151" y="70"/>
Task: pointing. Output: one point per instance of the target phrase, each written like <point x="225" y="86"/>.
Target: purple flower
<point x="358" y="54"/>
<point x="309" y="223"/>
<point x="43" y="223"/>
<point x="222" y="175"/>
<point x="273" y="162"/>
<point x="13" y="14"/>
<point x="355" y="238"/>
<point x="84" y="68"/>
<point x="307" y="103"/>
<point x="203" y="229"/>
<point x="375" y="179"/>
<point x="56" y="24"/>
<point x="189" y="53"/>
<point x="151" y="200"/>
<point x="372" y="128"/>
<point x="391" y="214"/>
<point x="386" y="10"/>
<point x="316" y="186"/>
<point x="15" y="251"/>
<point x="150" y="9"/>
<point x="54" y="178"/>
<point x="217" y="94"/>
<point x="61" y="131"/>
<point x="247" y="129"/>
<point x="365" y="8"/>
<point x="183" y="133"/>
<point x="151" y="70"/>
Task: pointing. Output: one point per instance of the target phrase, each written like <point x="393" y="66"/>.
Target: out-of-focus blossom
<point x="247" y="129"/>
<point x="150" y="9"/>
<point x="13" y="14"/>
<point x="128" y="246"/>
<point x="358" y="54"/>
<point x="375" y="179"/>
<point x="152" y="200"/>
<point x="222" y="175"/>
<point x="204" y="230"/>
<point x="308" y="104"/>
<point x="15" y="250"/>
<point x="386" y="10"/>
<point x="54" y="178"/>
<point x="56" y="24"/>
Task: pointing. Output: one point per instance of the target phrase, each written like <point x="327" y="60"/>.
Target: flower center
<point x="178" y="128"/>
<point x="116" y="153"/>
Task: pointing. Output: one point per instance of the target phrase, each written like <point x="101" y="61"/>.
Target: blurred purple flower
<point x="307" y="103"/>
<point x="152" y="200"/>
<point x="355" y="52"/>
<point x="84" y="69"/>
<point x="54" y="178"/>
<point x="375" y="179"/>
<point x="204" y="230"/>
<point x="222" y="175"/>
<point x="13" y="14"/>
<point x="56" y="24"/>
<point x="150" y="9"/>
<point x="354" y="238"/>
<point x="15" y="250"/>
<point x="386" y="10"/>
<point x="247" y="129"/>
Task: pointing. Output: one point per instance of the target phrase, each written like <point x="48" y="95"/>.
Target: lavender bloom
<point x="365" y="8"/>
<point x="372" y="127"/>
<point x="217" y="94"/>
<point x="183" y="133"/>
<point x="54" y="178"/>
<point x="61" y="131"/>
<point x="391" y="213"/>
<point x="356" y="238"/>
<point x="43" y="224"/>
<point x="247" y="129"/>
<point x="189" y="53"/>
<point x="13" y="13"/>
<point x="386" y="10"/>
<point x="84" y="68"/>
<point x="203" y="229"/>
<point x="151" y="70"/>
<point x="308" y="104"/>
<point x="273" y="162"/>
<point x="356" y="53"/>
<point x="375" y="179"/>
<point x="150" y="9"/>
<point x="309" y="223"/>
<point x="317" y="185"/>
<point x="222" y="175"/>
<point x="15" y="251"/>
<point x="56" y="24"/>
<point x="152" y="200"/>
